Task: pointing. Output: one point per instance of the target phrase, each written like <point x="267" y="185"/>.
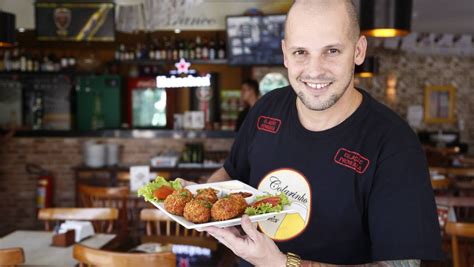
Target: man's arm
<point x="397" y="263"/>
<point x="219" y="176"/>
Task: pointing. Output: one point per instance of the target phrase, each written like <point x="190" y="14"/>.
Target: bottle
<point x="212" y="50"/>
<point x="29" y="62"/>
<point x="198" y="48"/>
<point x="205" y="50"/>
<point x="22" y="61"/>
<point x="192" y="50"/>
<point x="221" y="50"/>
<point x="175" y="51"/>
<point x="117" y="54"/>
<point x="151" y="52"/>
<point x="72" y="63"/>
<point x="169" y="49"/>
<point x="163" y="51"/>
<point x="180" y="49"/>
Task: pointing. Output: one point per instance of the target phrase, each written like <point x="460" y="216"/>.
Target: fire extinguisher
<point x="44" y="185"/>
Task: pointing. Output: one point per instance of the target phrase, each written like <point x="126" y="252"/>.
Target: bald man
<point x="354" y="171"/>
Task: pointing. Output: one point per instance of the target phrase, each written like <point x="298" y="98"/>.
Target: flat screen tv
<point x="255" y="40"/>
<point x="75" y="21"/>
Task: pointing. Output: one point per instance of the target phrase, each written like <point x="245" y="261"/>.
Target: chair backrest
<point x="102" y="218"/>
<point x="11" y="256"/>
<point x="455" y="230"/>
<point x="96" y="257"/>
<point x="158" y="223"/>
<point x="108" y="197"/>
<point x="463" y="206"/>
<point x="162" y="229"/>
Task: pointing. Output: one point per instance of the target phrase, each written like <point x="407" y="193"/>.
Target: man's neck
<point x="323" y="120"/>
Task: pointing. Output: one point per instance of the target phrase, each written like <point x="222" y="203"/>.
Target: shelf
<point x="168" y="62"/>
<point x="152" y="169"/>
<point x="120" y="133"/>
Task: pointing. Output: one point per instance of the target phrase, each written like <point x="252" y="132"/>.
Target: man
<point x="353" y="169"/>
<point x="249" y="94"/>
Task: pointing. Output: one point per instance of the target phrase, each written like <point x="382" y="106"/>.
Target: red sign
<point x="268" y="124"/>
<point x="352" y="160"/>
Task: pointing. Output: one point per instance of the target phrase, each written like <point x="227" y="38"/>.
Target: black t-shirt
<point x="241" y="118"/>
<point x="361" y="189"/>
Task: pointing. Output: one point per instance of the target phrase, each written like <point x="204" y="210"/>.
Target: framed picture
<point x="439" y="104"/>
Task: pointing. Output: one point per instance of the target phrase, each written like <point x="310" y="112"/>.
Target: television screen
<point x="75" y="21"/>
<point x="255" y="40"/>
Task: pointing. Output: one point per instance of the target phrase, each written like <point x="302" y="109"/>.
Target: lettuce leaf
<point x="267" y="207"/>
<point x="147" y="190"/>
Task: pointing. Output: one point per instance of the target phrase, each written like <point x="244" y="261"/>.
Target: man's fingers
<point x="249" y="228"/>
<point x="229" y="236"/>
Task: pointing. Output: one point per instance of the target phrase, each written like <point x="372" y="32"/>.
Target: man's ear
<point x="360" y="50"/>
<point x="283" y="48"/>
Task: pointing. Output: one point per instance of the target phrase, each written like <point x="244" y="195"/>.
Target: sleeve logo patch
<point x="352" y="160"/>
<point x="268" y="124"/>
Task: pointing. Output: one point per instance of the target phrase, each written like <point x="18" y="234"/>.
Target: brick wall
<point x="60" y="155"/>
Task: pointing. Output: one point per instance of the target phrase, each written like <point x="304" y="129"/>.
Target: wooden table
<point x="38" y="249"/>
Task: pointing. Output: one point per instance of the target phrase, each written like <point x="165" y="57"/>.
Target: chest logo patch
<point x="284" y="227"/>
<point x="268" y="124"/>
<point x="351" y="160"/>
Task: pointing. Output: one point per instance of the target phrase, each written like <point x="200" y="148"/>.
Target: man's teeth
<point x="317" y="85"/>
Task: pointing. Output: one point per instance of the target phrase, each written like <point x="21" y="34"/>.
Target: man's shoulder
<point x="276" y="96"/>
<point x="393" y="128"/>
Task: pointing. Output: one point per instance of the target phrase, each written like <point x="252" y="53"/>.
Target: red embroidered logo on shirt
<point x="352" y="160"/>
<point x="268" y="124"/>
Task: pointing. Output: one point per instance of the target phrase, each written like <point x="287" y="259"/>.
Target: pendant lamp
<point x="385" y="18"/>
<point x="7" y="29"/>
<point x="368" y="69"/>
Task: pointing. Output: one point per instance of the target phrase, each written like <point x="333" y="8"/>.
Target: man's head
<point x="249" y="92"/>
<point x="322" y="43"/>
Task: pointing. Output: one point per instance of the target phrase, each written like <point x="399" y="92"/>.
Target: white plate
<point x="224" y="187"/>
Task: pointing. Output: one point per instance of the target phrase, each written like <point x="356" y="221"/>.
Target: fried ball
<point x="175" y="202"/>
<point x="198" y="211"/>
<point x="240" y="201"/>
<point x="184" y="192"/>
<point x="208" y="194"/>
<point x="226" y="208"/>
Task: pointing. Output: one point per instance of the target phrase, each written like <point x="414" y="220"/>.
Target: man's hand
<point x="254" y="247"/>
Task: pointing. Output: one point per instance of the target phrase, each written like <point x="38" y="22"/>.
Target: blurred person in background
<point x="249" y="94"/>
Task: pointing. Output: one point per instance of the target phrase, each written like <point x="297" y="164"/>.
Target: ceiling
<point x="436" y="16"/>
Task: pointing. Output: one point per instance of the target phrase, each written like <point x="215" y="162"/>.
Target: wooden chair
<point x="95" y="257"/>
<point x="455" y="230"/>
<point x="107" y="197"/>
<point x="11" y="256"/>
<point x="160" y="228"/>
<point x="103" y="219"/>
<point x="440" y="184"/>
<point x="461" y="205"/>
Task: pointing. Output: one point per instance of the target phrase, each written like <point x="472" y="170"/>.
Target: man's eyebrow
<point x="335" y="45"/>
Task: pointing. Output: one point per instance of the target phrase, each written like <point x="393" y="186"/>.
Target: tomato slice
<point x="162" y="192"/>
<point x="274" y="201"/>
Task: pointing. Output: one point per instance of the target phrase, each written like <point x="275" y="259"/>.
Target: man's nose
<point x="315" y="66"/>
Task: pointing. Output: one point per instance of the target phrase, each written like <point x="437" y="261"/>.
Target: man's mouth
<point x="317" y="85"/>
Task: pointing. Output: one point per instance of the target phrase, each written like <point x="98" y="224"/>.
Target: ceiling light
<point x="368" y="69"/>
<point x="7" y="29"/>
<point x="385" y="18"/>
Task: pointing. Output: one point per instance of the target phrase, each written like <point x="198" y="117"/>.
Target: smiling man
<point x="354" y="170"/>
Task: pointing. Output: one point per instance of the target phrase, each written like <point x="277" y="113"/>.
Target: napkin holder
<point x="83" y="229"/>
<point x="64" y="239"/>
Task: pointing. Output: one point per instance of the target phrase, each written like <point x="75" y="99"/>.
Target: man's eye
<point x="333" y="51"/>
<point x="299" y="52"/>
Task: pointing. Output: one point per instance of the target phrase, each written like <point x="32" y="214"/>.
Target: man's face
<point x="319" y="53"/>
